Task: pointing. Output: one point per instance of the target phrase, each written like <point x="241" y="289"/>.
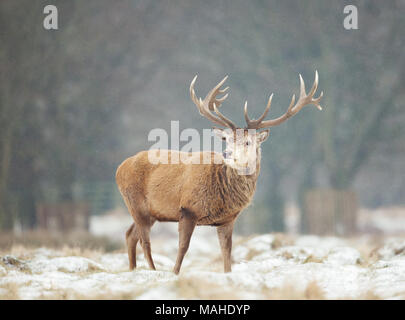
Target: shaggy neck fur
<point x="230" y="191"/>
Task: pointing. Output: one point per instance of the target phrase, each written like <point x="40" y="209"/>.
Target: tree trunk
<point x="6" y="215"/>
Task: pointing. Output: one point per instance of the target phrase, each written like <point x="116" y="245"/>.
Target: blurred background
<point x="75" y="102"/>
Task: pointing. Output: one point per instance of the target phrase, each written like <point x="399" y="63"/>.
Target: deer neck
<point x="239" y="187"/>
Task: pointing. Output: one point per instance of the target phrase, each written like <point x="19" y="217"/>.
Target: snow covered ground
<point x="270" y="266"/>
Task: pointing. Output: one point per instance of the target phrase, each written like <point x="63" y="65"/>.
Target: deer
<point x="212" y="194"/>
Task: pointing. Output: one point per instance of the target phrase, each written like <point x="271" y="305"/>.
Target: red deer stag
<point x="200" y="194"/>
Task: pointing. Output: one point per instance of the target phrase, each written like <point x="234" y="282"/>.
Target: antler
<point x="211" y="103"/>
<point x="303" y="100"/>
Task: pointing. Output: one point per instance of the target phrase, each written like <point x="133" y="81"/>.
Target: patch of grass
<point x="252" y="253"/>
<point x="81" y="252"/>
<point x="90" y="270"/>
<point x="287" y="255"/>
<point x="289" y="292"/>
<point x="42" y="238"/>
<point x="368" y="249"/>
<point x="198" y="289"/>
<point x="314" y="292"/>
<point x="10" y="262"/>
<point x="68" y="294"/>
<point x="314" y="259"/>
<point x="239" y="240"/>
<point x="9" y="291"/>
<point x="107" y="296"/>
<point x="280" y="240"/>
<point x="369" y="295"/>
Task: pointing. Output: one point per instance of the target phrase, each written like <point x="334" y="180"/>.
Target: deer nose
<point x="226" y="154"/>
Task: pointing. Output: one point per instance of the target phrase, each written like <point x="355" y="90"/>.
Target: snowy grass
<point x="269" y="266"/>
<point x="57" y="240"/>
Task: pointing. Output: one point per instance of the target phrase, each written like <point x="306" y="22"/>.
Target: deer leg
<point x="132" y="238"/>
<point x="144" y="236"/>
<point x="187" y="223"/>
<point x="140" y="230"/>
<point x="225" y="241"/>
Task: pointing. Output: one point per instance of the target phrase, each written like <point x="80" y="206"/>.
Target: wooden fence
<point x="330" y="212"/>
<point x="63" y="216"/>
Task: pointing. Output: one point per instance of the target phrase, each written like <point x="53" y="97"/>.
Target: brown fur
<point x="192" y="194"/>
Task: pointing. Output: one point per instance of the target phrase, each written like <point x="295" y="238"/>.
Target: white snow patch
<point x="63" y="264"/>
<point x="3" y="271"/>
<point x="334" y="264"/>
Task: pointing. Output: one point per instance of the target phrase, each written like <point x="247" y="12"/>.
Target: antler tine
<point x="314" y="86"/>
<point x="245" y="113"/>
<point x="302" y="87"/>
<point x="252" y="124"/>
<point x="267" y="109"/>
<point x="223" y="98"/>
<point x="317" y="100"/>
<point x="214" y="92"/>
<point x="310" y="96"/>
<point x="198" y="102"/>
<point x="229" y="123"/>
<point x="211" y="103"/>
<point x="192" y="93"/>
<point x="293" y="108"/>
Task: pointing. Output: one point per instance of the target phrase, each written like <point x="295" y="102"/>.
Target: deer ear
<point x="219" y="132"/>
<point x="263" y="135"/>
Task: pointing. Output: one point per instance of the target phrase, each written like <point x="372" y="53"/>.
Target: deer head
<point x="243" y="144"/>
